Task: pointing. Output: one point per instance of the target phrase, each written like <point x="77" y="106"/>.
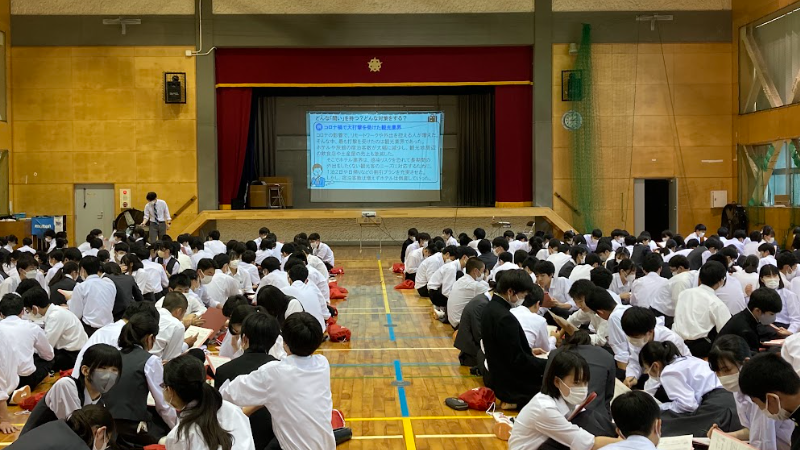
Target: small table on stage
<point x="369" y="222"/>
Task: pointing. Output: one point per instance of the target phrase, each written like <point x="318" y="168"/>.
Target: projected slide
<point x="374" y="151"/>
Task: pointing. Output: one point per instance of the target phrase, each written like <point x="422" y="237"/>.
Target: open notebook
<point x="203" y="334"/>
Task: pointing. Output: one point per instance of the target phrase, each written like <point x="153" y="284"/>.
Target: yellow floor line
<point x="452" y="436"/>
<point x="383" y="288"/>
<point x="408" y="434"/>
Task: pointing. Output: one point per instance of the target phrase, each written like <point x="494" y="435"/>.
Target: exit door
<point x="655" y="204"/>
<point x="94" y="208"/>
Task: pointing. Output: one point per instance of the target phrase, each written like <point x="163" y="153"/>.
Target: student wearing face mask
<point x="505" y="261"/>
<point x="98" y="373"/>
<point x="62" y="328"/>
<point x="29" y="344"/>
<point x="49" y="240"/>
<point x="206" y="421"/>
<point x="436" y="255"/>
<point x="699" y="314"/>
<point x="63" y="281"/>
<point x="645" y="289"/>
<point x="638" y="419"/>
<point x="774" y="386"/>
<point x="585" y="315"/>
<point x="593" y="239"/>
<point x="534" y="325"/>
<point x="90" y="427"/>
<point x="142" y="373"/>
<point x="577" y="258"/>
<point x="766" y="253"/>
<point x="564" y="387"/>
<point x="788" y="320"/>
<point x="414" y="256"/>
<point x="321" y="250"/>
<point x="25" y="268"/>
<point x="513" y="372"/>
<point x="93" y="300"/>
<point x="618" y="239"/>
<point x="465" y="289"/>
<point x="641" y="327"/>
<point x="56" y="261"/>
<point x="557" y="299"/>
<point x="726" y="359"/>
<point x="762" y="309"/>
<point x="604" y="305"/>
<point x="787" y="264"/>
<point x="623" y="279"/>
<point x="696" y="399"/>
<point x="699" y="233"/>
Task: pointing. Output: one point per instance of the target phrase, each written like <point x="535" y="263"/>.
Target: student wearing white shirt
<point x="86" y="245"/>
<point x="165" y="256"/>
<point x="29" y="343"/>
<point x="557" y="299"/>
<point x="585" y="315"/>
<point x="49" y="240"/>
<point x="315" y="279"/>
<point x="26" y="246"/>
<point x="156" y="212"/>
<point x="442" y="281"/>
<point x="25" y="268"/>
<point x="56" y="259"/>
<point x="321" y="250"/>
<point x="593" y="239"/>
<point x="600" y="301"/>
<point x="157" y="279"/>
<point x="465" y="289"/>
<point x="63" y="330"/>
<point x="623" y="279"/>
<point x="169" y="342"/>
<point x="638" y="420"/>
<point x="435" y="256"/>
<point x="142" y="374"/>
<point x="218" y="284"/>
<point x="95" y="245"/>
<point x="273" y="275"/>
<point x="263" y="234"/>
<point x="727" y="356"/>
<point x="640" y="325"/>
<point x="265" y="250"/>
<point x="699" y="233"/>
<point x="182" y="283"/>
<point x="447" y="235"/>
<point x="788" y="319"/>
<point x="697" y="400"/>
<point x="787" y="265"/>
<point x="478" y="235"/>
<point x="560" y="257"/>
<point x="213" y="245"/>
<point x="504" y="262"/>
<point x="682" y="279"/>
<point x="766" y="253"/>
<point x="564" y="387"/>
<point x="583" y="271"/>
<point x="414" y="255"/>
<point x="206" y="421"/>
<point x="307" y="294"/>
<point x="645" y="289"/>
<point x="295" y="390"/>
<point x="93" y="300"/>
<point x="731" y="292"/>
<point x="9" y="380"/>
<point x="533" y="325"/>
<point x="699" y="314"/>
<point x="198" y="251"/>
<point x="99" y="373"/>
<point x="748" y="274"/>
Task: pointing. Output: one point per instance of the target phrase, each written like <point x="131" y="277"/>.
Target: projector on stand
<point x="369" y="214"/>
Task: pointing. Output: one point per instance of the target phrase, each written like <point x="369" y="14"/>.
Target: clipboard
<point x="215" y="361"/>
<point x="203" y="334"/>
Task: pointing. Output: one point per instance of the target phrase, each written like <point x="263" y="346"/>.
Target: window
<point x="769" y="61"/>
<point x="770" y="173"/>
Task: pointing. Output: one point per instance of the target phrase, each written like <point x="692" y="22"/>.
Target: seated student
<point x="640" y="325"/>
<point x="219" y="286"/>
<point x="519" y="257"/>
<point x="603" y="304"/>
<point x="726" y="359"/>
<point x="414" y="256"/>
<point x="259" y="334"/>
<point x="206" y="421"/>
<point x="559" y="257"/>
<point x="545" y="417"/>
<point x="583" y="271"/>
<point x="156" y="276"/>
<point x="447" y="236"/>
<point x="63" y="330"/>
<point x="696" y="398"/>
<point x="90" y="427"/>
<point x="513" y="372"/>
<point x="198" y="251"/>
<point x="601" y="368"/>
<point x="504" y="262"/>
<point x="170" y="343"/>
<point x="142" y="373"/>
<point x="99" y="372"/>
<point x="9" y="380"/>
<point x="441" y="283"/>
<point x="29" y="343"/>
<point x="468" y="337"/>
<point x="478" y="235"/>
<point x="534" y="325"/>
<point x="682" y="279"/>
<point x="247" y="265"/>
<point x="766" y="253"/>
<point x="95" y="244"/>
<point x="699" y="314"/>
<point x="714" y="246"/>
<point x="747" y="274"/>
<point x="25" y="267"/>
<point x="410" y="240"/>
<point x="762" y="309"/>
<point x="231" y="347"/>
<point x="213" y="245"/>
<point x="321" y="250"/>
<point x="127" y="289"/>
<point x="486" y="254"/>
<point x="624" y="277"/>
<point x="638" y="419"/>
<point x="731" y="292"/>
<point x="774" y="386"/>
<point x="263" y="233"/>
<point x="557" y="299"/>
<point x="644" y="289"/>
<point x="436" y="255"/>
<point x="294" y="390"/>
<point x="56" y="261"/>
<point x="109" y="334"/>
<point x="315" y="277"/>
<point x="788" y="320"/>
<point x="182" y="283"/>
<point x="465" y="289"/>
<point x="593" y="239"/>
<point x="307" y="294"/>
<point x="165" y="255"/>
<point x="273" y="275"/>
<point x="585" y="315"/>
<point x="93" y="299"/>
<point x="602" y="278"/>
<point x="577" y="257"/>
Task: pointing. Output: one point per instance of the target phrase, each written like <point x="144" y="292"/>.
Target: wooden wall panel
<point x="96" y="115"/>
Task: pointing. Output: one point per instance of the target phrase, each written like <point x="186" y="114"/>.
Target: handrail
<point x="185" y="205"/>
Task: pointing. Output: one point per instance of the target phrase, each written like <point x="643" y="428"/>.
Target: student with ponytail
<point x="142" y="374"/>
<point x="696" y="399"/>
<point x="206" y="421"/>
<point x="90" y="427"/>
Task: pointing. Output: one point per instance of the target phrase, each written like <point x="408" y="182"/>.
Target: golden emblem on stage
<point x="374" y="65"/>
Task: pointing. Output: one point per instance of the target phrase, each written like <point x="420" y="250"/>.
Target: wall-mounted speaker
<point x="174" y="87"/>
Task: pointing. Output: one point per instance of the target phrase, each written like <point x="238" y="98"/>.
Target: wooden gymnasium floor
<point x="391" y="381"/>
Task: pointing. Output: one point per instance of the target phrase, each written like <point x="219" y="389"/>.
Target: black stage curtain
<point x="476" y="149"/>
<point x="261" y="145"/>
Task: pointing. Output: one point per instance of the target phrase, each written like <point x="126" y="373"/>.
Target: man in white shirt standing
<point x="62" y="328"/>
<point x="29" y="343"/>
<point x="169" y="342"/>
<point x="465" y="289"/>
<point x="646" y="288"/>
<point x="93" y="300"/>
<point x="699" y="314"/>
<point x="321" y="250"/>
<point x="156" y="212"/>
<point x="307" y="294"/>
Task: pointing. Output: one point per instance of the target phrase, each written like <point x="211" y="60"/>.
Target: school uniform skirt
<point x="716" y="407"/>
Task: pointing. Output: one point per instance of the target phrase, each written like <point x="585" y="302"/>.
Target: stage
<point x="341" y="226"/>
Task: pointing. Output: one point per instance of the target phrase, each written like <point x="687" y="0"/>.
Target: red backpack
<point x="479" y="398"/>
<point x="338" y="333"/>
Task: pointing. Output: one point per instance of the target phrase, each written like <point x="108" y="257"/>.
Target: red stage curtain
<point x="233" y="123"/>
<point x="513" y="143"/>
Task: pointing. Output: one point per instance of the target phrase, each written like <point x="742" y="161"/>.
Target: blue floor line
<point x="401" y="391"/>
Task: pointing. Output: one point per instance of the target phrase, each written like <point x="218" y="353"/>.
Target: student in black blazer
<point x="127" y="289"/>
<point x="258" y="335"/>
<point x="514" y="373"/>
<point x="762" y="308"/>
<point x="64" y="280"/>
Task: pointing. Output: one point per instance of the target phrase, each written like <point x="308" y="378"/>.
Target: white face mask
<point x="767" y="319"/>
<point x="701" y="234"/>
<point x="234" y="264"/>
<point x="575" y="394"/>
<point x="518" y="301"/>
<point x="315" y="245"/>
<point x="790" y="276"/>
<point x="782" y="413"/>
<point x="100" y="237"/>
<point x="730" y="382"/>
<point x="206" y="279"/>
<point x="772" y="283"/>
<point x="638" y="342"/>
<point x="621" y="240"/>
<point x="48" y="239"/>
<point x="769" y="240"/>
<point x="655" y="378"/>
<point x="413" y="239"/>
<point x="631" y="278"/>
<point x="31" y="274"/>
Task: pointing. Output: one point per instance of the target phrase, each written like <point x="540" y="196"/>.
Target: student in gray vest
<point x="142" y="374"/>
<point x="89" y="427"/>
<point x="99" y="372"/>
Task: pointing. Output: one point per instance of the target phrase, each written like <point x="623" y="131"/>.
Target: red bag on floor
<point x="337" y="294"/>
<point x="337" y="419"/>
<point x="30" y="402"/>
<point x="398" y="267"/>
<point x="406" y="284"/>
<point x="335" y="284"/>
<point x="479" y="398"/>
<point x="338" y="333"/>
<point x="336" y="271"/>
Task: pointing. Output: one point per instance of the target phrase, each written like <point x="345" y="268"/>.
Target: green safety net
<point x="584" y="147"/>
